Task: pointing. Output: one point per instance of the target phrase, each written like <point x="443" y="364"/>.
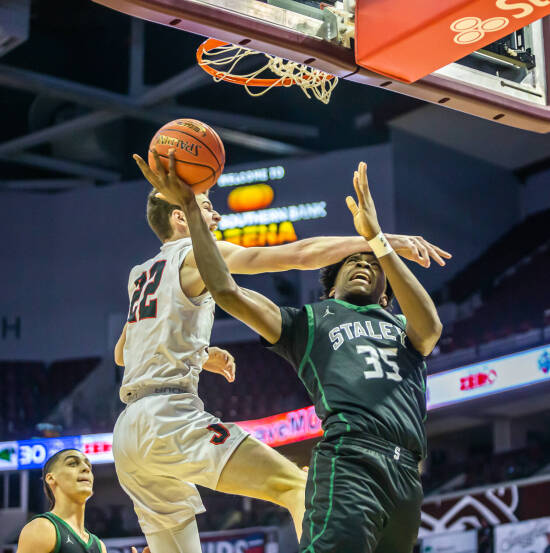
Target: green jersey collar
<point x="359" y="308"/>
<point x="71" y="530"/>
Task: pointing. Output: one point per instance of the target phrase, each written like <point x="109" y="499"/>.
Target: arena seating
<point x="34" y="389"/>
<point x="480" y="275"/>
<point x="514" y="314"/>
<point x="265" y="385"/>
<point x="482" y="468"/>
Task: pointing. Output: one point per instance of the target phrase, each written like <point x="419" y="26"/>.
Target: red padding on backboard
<point x="409" y="39"/>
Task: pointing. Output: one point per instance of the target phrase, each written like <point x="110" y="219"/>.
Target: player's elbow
<point x="430" y="338"/>
<point x="227" y="296"/>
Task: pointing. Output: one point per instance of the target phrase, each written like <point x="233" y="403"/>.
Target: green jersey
<point x="359" y="368"/>
<point x="67" y="540"/>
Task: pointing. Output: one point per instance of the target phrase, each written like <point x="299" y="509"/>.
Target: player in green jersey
<point x="68" y="484"/>
<point x="364" y="370"/>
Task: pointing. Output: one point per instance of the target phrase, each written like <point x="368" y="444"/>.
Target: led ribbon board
<point x="490" y="377"/>
<point x="518" y="370"/>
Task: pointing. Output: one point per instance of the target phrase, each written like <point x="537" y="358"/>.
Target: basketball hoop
<point x="213" y="55"/>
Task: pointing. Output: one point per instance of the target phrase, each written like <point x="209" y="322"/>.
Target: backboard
<point x="505" y="81"/>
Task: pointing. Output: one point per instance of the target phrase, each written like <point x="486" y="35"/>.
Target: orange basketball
<point x="199" y="152"/>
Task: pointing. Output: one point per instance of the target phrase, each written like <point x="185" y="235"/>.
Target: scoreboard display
<point x="275" y="203"/>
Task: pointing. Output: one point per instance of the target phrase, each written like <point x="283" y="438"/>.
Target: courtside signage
<point x="443" y="389"/>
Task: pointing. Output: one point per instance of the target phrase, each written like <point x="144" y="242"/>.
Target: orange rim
<point x="213" y="43"/>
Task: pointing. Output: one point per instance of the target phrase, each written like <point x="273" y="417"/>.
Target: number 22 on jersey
<point x="143" y="304"/>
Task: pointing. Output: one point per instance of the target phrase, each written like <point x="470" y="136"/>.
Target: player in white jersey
<point x="164" y="442"/>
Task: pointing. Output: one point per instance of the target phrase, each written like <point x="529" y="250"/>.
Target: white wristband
<point x="380" y="245"/>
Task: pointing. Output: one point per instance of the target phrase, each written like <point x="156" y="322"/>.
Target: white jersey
<point x="167" y="333"/>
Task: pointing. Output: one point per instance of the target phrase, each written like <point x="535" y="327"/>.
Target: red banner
<point x="285" y="428"/>
<point x="408" y="40"/>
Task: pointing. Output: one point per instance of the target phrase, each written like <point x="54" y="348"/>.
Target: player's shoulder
<point x="145" y="265"/>
<point x="38" y="535"/>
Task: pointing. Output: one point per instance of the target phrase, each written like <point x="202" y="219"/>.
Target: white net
<point x="313" y="82"/>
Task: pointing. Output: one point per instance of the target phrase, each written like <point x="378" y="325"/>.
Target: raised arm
<point x="423" y="324"/>
<point x="253" y="309"/>
<point x="313" y="253"/>
<point x="308" y="254"/>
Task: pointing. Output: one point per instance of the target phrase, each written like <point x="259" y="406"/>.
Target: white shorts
<point x="163" y="445"/>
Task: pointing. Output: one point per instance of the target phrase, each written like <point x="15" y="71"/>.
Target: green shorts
<point x="363" y="495"/>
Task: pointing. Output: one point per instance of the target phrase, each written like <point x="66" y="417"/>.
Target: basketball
<point x="199" y="152"/>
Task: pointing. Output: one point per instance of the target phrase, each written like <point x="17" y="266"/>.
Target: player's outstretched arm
<point x="423" y="324"/>
<point x="253" y="309"/>
<point x="308" y="254"/>
<point x="313" y="253"/>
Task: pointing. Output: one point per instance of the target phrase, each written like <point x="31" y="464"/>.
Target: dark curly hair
<point x="327" y="278"/>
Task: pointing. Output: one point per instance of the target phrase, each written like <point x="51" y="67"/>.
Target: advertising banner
<point x="285" y="428"/>
<point x="395" y="38"/>
<point x="450" y="542"/>
<point x="98" y="447"/>
<point x="474" y="381"/>
<point x="248" y="540"/>
<point x="530" y="536"/>
<point x="490" y="377"/>
<point x="268" y="205"/>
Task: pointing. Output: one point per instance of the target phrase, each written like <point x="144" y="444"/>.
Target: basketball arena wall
<point x="461" y="202"/>
<point x="66" y="257"/>
<point x="534" y="194"/>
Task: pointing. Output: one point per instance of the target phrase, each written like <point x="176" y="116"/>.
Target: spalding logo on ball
<point x="199" y="152"/>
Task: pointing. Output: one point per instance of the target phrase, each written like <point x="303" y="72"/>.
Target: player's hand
<point x="169" y="185"/>
<point x="415" y="248"/>
<point x="145" y="550"/>
<point x="364" y="214"/>
<point x="221" y="362"/>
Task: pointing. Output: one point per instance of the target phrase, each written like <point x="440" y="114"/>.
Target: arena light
<point x="475" y="381"/>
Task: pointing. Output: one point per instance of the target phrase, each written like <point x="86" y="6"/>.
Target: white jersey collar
<point x="179" y="243"/>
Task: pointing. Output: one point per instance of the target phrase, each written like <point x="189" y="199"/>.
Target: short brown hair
<point x="158" y="215"/>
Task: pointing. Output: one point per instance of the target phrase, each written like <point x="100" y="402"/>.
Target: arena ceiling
<point x="90" y="86"/>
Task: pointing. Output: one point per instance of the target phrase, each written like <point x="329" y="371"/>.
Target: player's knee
<point x="288" y="486"/>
